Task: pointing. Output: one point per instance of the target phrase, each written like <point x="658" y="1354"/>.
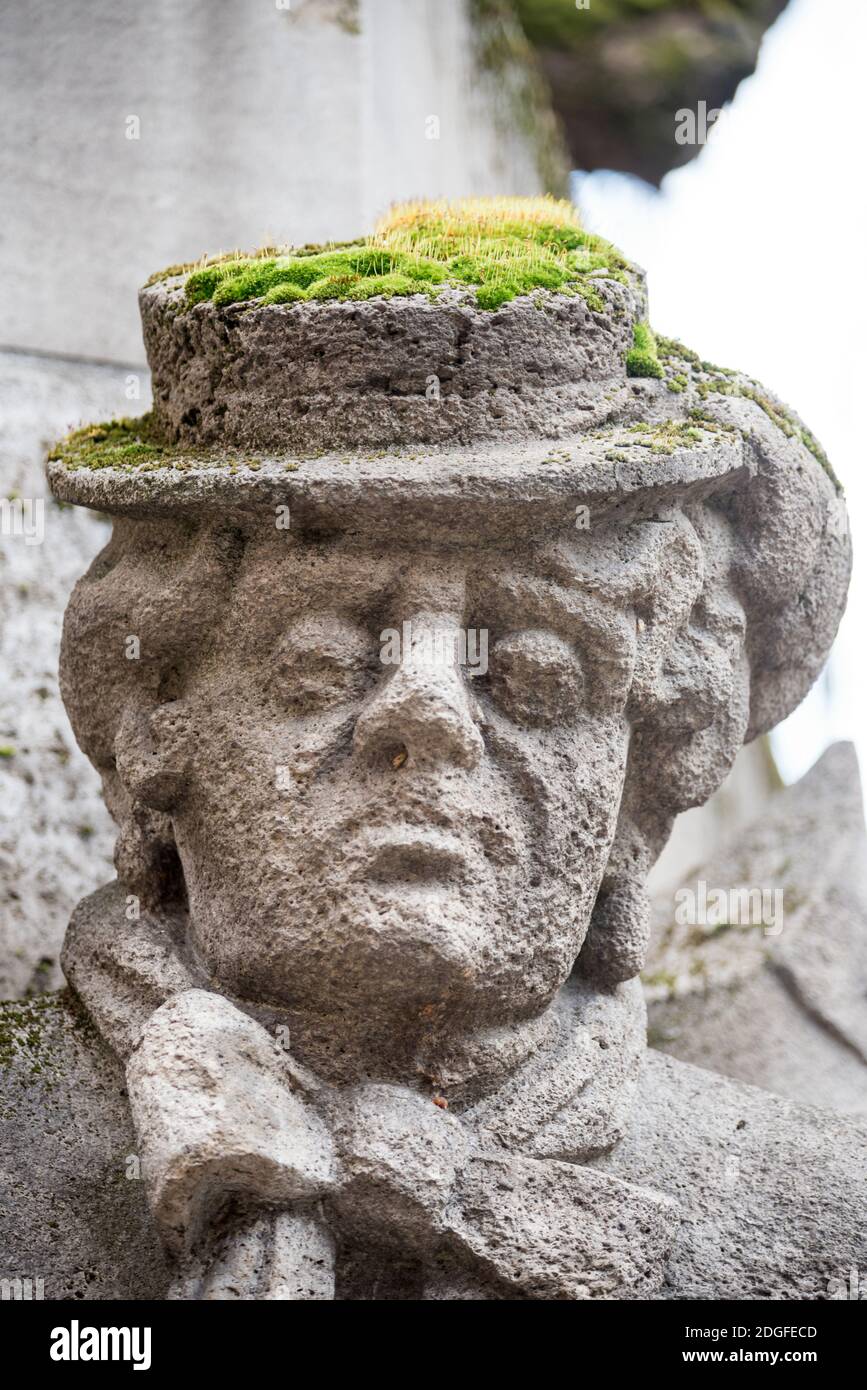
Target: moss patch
<point x="642" y="359"/>
<point x="499" y="248"/>
<point x="115" y="443"/>
<point x="666" y="437"/>
<point x="134" y="445"/>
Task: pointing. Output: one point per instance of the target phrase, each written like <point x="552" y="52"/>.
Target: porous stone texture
<point x="372" y="958"/>
<point x="56" y="836"/>
<point x="231" y="1126"/>
<point x="235" y="1097"/>
<point x="570" y="1096"/>
<point x="73" y="1211"/>
<point x="312" y="377"/>
<point x="778" y="999"/>
<point x="765" y="1192"/>
<point x="770" y="1193"/>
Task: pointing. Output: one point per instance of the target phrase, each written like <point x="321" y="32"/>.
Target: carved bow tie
<point x="223" y="1114"/>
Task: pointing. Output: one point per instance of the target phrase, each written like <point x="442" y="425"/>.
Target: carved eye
<point x="536" y="678"/>
<point x="321" y="661"/>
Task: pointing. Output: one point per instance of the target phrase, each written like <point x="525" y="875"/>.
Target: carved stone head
<point x="397" y="730"/>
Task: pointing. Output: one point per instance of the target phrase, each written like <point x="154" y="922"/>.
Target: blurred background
<point x="752" y="259"/>
<point x="135" y="136"/>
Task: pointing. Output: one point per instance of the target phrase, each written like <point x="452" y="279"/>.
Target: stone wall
<point x="136" y="136"/>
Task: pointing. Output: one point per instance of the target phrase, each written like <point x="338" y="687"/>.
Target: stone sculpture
<point x="371" y="959"/>
<point x="777" y="1002"/>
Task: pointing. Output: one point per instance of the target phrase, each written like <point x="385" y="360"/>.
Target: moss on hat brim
<point x="681" y="367"/>
<point x="642" y="358"/>
<point x="134" y="445"/>
<point x="131" y="445"/>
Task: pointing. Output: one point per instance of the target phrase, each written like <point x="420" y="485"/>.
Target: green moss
<point x="285" y="293"/>
<point x="7" y="751"/>
<point x="786" y="422"/>
<point x="661" y="437"/>
<point x="133" y="444"/>
<point x="115" y="443"/>
<point x="642" y="359"/>
<point x="669" y="348"/>
<point x="498" y="247"/>
<point x="385" y="285"/>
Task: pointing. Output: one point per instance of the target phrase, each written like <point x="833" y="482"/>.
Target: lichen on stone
<point x="661" y="437"/>
<point x="26" y="1034"/>
<point x="683" y="368"/>
<point x="497" y="248"/>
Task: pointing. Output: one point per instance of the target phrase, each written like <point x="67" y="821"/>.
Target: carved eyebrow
<point x="568" y="609"/>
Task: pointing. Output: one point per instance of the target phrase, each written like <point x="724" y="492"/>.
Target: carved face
<point x="370" y="829"/>
<point x="393" y="777"/>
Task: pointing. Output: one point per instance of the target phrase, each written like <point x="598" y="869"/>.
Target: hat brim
<point x="519" y="491"/>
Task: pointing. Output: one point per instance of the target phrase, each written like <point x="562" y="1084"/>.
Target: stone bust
<point x="395" y="695"/>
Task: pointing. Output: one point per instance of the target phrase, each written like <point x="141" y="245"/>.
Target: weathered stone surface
<point x="419" y="1180"/>
<point x="213" y="1102"/>
<point x="503" y="1203"/>
<point x="73" y="1210"/>
<point x="763" y="562"/>
<point x="286" y="1257"/>
<point x="573" y="1098"/>
<point x="781" y="1003"/>
<point x="315" y="376"/>
<point x="122" y="965"/>
<point x="765" y="1191"/>
<point x="771" y="1194"/>
<point x="55" y="834"/>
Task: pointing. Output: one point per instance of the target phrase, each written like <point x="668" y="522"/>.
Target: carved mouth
<point x="408" y="854"/>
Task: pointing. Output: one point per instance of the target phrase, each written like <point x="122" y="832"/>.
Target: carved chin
<point x="396" y="949"/>
<point x="418" y="945"/>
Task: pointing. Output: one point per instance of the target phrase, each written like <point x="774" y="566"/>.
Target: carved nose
<point x="423" y="707"/>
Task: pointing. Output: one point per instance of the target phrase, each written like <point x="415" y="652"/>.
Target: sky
<point x="755" y="255"/>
